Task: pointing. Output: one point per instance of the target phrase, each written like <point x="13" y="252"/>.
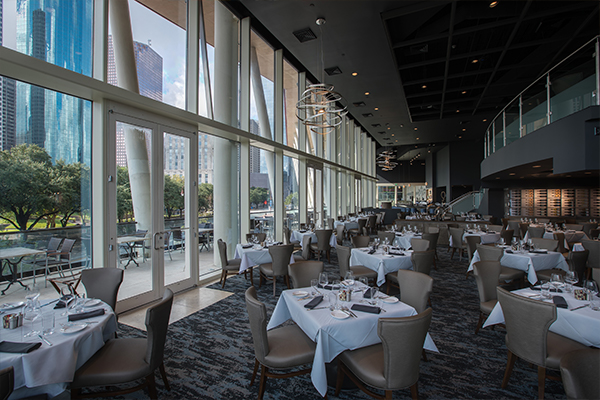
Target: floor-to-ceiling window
<point x="290" y="192"/>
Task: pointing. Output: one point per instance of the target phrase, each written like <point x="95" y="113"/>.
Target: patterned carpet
<point x="209" y="355"/>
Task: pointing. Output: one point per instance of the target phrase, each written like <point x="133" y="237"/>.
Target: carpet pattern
<point x="209" y="355"/>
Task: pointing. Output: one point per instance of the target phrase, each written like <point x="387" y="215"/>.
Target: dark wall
<point x="403" y="173"/>
<point x="465" y="159"/>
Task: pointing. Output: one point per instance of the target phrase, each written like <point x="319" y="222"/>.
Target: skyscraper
<point x="7" y="105"/>
<point x="60" y="33"/>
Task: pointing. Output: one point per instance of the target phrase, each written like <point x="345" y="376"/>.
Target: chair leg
<point x="479" y="323"/>
<point x="414" y="391"/>
<point x="274" y="284"/>
<point x="340" y="378"/>
<point x="541" y="382"/>
<point x="151" y="386"/>
<point x="510" y="363"/>
<point x="163" y="374"/>
<point x="254" y="372"/>
<point x="388" y="395"/>
<point x="224" y="275"/>
<point x="424" y="355"/>
<point x="452" y="255"/>
<point x="263" y="382"/>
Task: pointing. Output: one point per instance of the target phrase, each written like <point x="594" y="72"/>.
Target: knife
<point x="316" y="308"/>
<point x="45" y="340"/>
<point x="48" y="303"/>
<point x="577" y="308"/>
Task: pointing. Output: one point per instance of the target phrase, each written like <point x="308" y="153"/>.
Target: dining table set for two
<point x="338" y="316"/>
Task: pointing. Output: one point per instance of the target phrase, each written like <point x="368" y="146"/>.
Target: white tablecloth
<point x="333" y="336"/>
<point x="402" y="239"/>
<point x="486" y="237"/>
<point x="299" y="235"/>
<point x="51" y="367"/>
<point x="529" y="262"/>
<point x="582" y="325"/>
<point x="254" y="255"/>
<point x="570" y="236"/>
<point x="383" y="264"/>
<point x="350" y="224"/>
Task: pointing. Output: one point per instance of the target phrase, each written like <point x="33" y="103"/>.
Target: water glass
<point x="545" y="289"/>
<point x="571" y="278"/>
<point x="48" y="323"/>
<point x="323" y="279"/>
<point x="592" y="289"/>
<point x="557" y="281"/>
<point x="314" y="283"/>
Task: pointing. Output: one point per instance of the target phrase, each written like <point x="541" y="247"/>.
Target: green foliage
<point x="205" y="197"/>
<point x="259" y="195"/>
<point x="124" y="203"/>
<point x="173" y="200"/>
<point x="291" y="200"/>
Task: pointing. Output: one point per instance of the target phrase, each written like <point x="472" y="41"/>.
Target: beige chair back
<point x="362" y="222"/>
<point x="323" y="238"/>
<point x="372" y="223"/>
<point x="343" y="254"/>
<point x="527" y="322"/>
<point x="487" y="274"/>
<point x="577" y="261"/>
<point x="514" y="225"/>
<point x="389" y="235"/>
<point x="361" y="241"/>
<point x="302" y="272"/>
<point x="339" y="233"/>
<point x="472" y="242"/>
<point x="574" y="227"/>
<point x="507" y="235"/>
<point x="489" y="253"/>
<point x="257" y="314"/>
<point x="523" y="227"/>
<point x="306" y="241"/>
<point x="281" y="258"/>
<point x="579" y="371"/>
<point x="587" y="228"/>
<point x="422" y="261"/>
<point x="222" y="252"/>
<point x="433" y="229"/>
<point x="415" y="288"/>
<point x="593" y="246"/>
<point x="536" y="231"/>
<point x="457" y="237"/>
<point x="548" y="244"/>
<point x="432" y="237"/>
<point x="261" y="237"/>
<point x="560" y="238"/>
<point x="157" y="325"/>
<point x="419" y="244"/>
<point x="103" y="284"/>
<point x="402" y="340"/>
<point x="495" y="228"/>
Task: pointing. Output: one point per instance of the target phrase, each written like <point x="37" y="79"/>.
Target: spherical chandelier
<point x="318" y="108"/>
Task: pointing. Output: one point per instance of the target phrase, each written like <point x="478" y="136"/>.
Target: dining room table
<point x="528" y="261"/>
<point x="337" y="331"/>
<point x="49" y="368"/>
<point x="253" y="255"/>
<point x="380" y="261"/>
<point x="578" y="321"/>
<point x="486" y="237"/>
<point x="351" y="223"/>
<point x="128" y="243"/>
<point x="10" y="258"/>
<point x="570" y="236"/>
<point x="300" y="234"/>
<point x="402" y="238"/>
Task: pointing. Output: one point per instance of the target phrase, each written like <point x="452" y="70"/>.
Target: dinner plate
<point x="72" y="328"/>
<point x="10" y="306"/>
<point x="339" y="314"/>
<point x="300" y="293"/>
<point x="91" y="302"/>
<point x="390" y="299"/>
<point x="347" y="282"/>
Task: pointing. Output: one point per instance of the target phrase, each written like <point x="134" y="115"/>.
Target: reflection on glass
<point x="290" y="95"/>
<point x="262" y="181"/>
<point x="262" y="89"/>
<point x="290" y="192"/>
<point x="534" y="107"/>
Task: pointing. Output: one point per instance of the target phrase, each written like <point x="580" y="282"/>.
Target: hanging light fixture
<point x="385" y="160"/>
<point x="318" y="106"/>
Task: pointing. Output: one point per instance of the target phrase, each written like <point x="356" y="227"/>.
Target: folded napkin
<point x="302" y="231"/>
<point x="16" y="347"/>
<point x="372" y="251"/>
<point x="64" y="300"/>
<point x="326" y="287"/>
<point x="552" y="289"/>
<point x="314" y="302"/>
<point x="396" y="253"/>
<point x="365" y="308"/>
<point x="368" y="293"/>
<point x="560" y="302"/>
<point x="247" y="246"/>
<point x="508" y="251"/>
<point x="84" y="315"/>
<point x="539" y="251"/>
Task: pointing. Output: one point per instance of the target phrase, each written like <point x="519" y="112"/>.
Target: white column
<point x="278" y="194"/>
<point x="245" y="125"/>
<point x="225" y="199"/>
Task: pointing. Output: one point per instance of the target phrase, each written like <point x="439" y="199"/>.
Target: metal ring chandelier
<point x="318" y="108"/>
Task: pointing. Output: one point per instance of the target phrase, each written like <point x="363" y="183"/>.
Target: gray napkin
<point x="365" y="308"/>
<point x="16" y="347"/>
<point x="560" y="302"/>
<point x="89" y="314"/>
<point x="314" y="302"/>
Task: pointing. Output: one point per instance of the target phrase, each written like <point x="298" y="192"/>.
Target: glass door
<point x="156" y="192"/>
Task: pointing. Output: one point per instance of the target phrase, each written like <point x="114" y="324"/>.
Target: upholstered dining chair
<point x="343" y="254"/>
<point x="457" y="241"/>
<point x="560" y="237"/>
<point x="593" y="246"/>
<point x="330" y="223"/>
<point x="574" y="227"/>
<point x="305" y="255"/>
<point x="495" y="228"/>
<point x="229" y="266"/>
<point x="302" y="272"/>
<point x="390" y="236"/>
<point x="280" y="348"/>
<point x="121" y="361"/>
<point x="493" y="253"/>
<point x="546" y="244"/>
<point x="588" y="227"/>
<point x="392" y="364"/>
<point x="7" y="382"/>
<point x="287" y="237"/>
<point x="280" y="256"/>
<point x="536" y="231"/>
<point x="361" y="241"/>
<point x="340" y="231"/>
<point x="594" y="234"/>
<point x="514" y="225"/>
<point x="577" y="261"/>
<point x="580" y="370"/>
<point x="472" y="242"/>
<point x="322" y="245"/>
<point x="487" y="274"/>
<point x="421" y="262"/>
<point x="527" y="336"/>
<point x="433" y="229"/>
<point x="419" y="244"/>
<point x="259" y="236"/>
<point x="415" y="288"/>
<point x="103" y="284"/>
<point x="362" y="223"/>
<point x="507" y="235"/>
<point x="372" y="224"/>
<point x="433" y="240"/>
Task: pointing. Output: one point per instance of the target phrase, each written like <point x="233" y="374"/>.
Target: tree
<point x="124" y="202"/>
<point x="172" y="194"/>
<point x="291" y="200"/>
<point x="205" y="197"/>
<point x="259" y="195"/>
<point x="27" y="185"/>
<point x="71" y="180"/>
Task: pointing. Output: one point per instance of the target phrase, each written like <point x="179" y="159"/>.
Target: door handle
<point x="158" y="240"/>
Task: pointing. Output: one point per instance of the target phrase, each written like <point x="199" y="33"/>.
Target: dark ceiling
<point x="434" y="71"/>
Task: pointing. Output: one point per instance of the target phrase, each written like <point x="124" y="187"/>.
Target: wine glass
<point x="323" y="279"/>
<point x="374" y="295"/>
<point x="314" y="283"/>
<point x="349" y="279"/>
<point x="571" y="278"/>
<point x="592" y="288"/>
<point x="32" y="293"/>
<point x="32" y="314"/>
<point x="556" y="280"/>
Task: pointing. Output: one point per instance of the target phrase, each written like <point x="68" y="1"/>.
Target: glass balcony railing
<point x="567" y="88"/>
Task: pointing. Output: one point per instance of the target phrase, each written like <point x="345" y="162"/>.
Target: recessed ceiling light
<point x="536" y="166"/>
<point x="493" y="4"/>
<point x="464" y="92"/>
<point x="464" y="129"/>
<point x="366" y="93"/>
<point x="376" y="108"/>
<point x="587" y="173"/>
<point x="460" y="137"/>
<point x="475" y="61"/>
<point x="497" y="177"/>
<point x="424" y="87"/>
<point x="417" y="138"/>
<point x="416" y="128"/>
<point x="389" y="128"/>
<point x="485" y="119"/>
<point x="457" y="110"/>
<point x="512" y="173"/>
<point x="392" y="134"/>
<point x="354" y="73"/>
<point x="396" y="141"/>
